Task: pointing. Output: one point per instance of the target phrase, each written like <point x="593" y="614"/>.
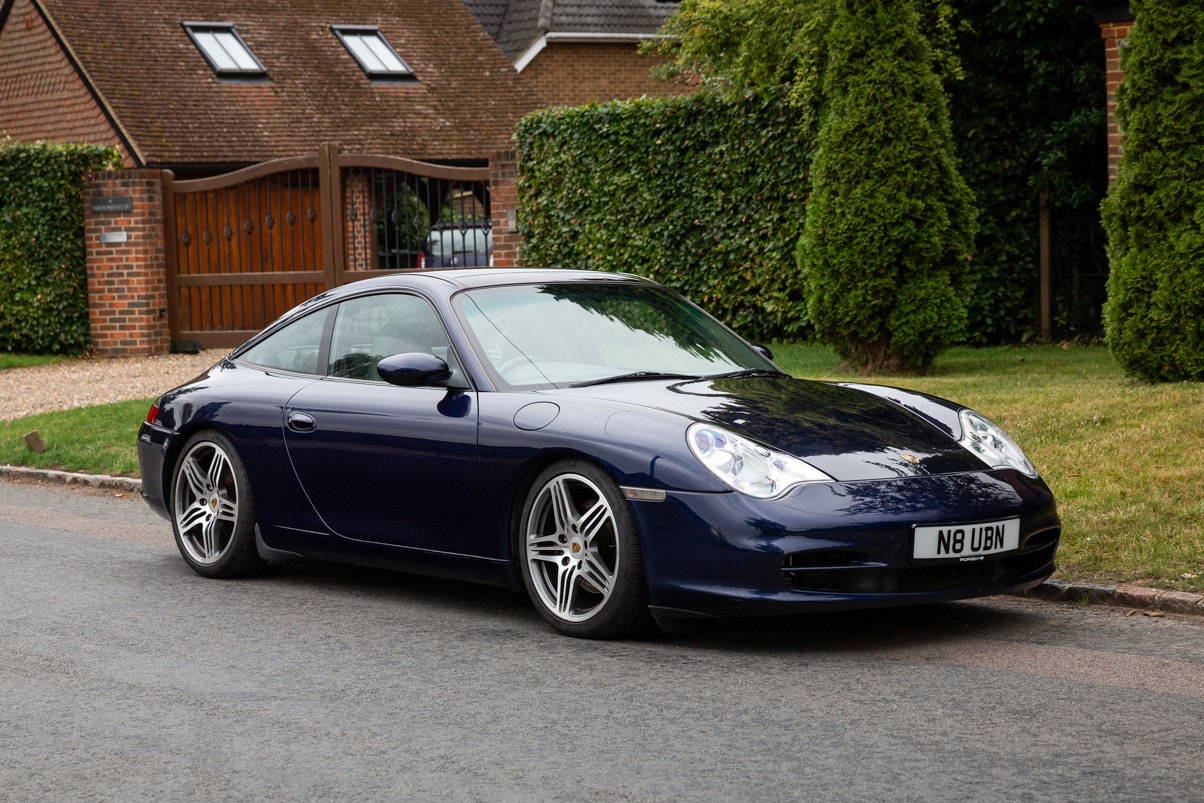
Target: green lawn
<point x="8" y="360"/>
<point x="1125" y="459"/>
<point x="94" y="440"/>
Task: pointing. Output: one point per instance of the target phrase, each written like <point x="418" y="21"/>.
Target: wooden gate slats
<point x="245" y="247"/>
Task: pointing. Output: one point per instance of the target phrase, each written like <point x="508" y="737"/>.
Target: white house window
<point x="373" y="53"/>
<point x="225" y="50"/>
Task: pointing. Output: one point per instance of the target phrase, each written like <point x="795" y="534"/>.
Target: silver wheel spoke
<point x="566" y="588"/>
<point x="195" y="478"/>
<point x="598" y="574"/>
<point x="593" y="520"/>
<point x="547" y="556"/>
<point x="562" y="506"/>
<point x="210" y="534"/>
<point x="196" y="514"/>
<point x="227" y="509"/>
<point x="217" y="470"/>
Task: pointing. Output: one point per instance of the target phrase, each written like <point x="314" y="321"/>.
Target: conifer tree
<point x="890" y="222"/>
<point x="1154" y="212"/>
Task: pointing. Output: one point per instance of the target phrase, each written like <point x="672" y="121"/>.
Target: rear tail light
<point x="153" y="413"/>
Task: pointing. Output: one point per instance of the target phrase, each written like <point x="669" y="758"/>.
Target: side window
<point x="293" y="348"/>
<point x="370" y="328"/>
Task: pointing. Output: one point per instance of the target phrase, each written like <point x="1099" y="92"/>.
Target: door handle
<point x="302" y="422"/>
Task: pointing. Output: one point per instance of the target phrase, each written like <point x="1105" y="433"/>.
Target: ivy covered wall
<point x="703" y="194"/>
<point x="43" y="284"/>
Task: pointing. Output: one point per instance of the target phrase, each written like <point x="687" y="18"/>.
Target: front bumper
<point x="838" y="546"/>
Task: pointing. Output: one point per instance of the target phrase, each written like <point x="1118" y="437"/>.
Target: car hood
<point x="847" y="433"/>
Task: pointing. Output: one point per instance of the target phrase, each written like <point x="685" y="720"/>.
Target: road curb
<point x="101" y="481"/>
<point x="1134" y="597"/>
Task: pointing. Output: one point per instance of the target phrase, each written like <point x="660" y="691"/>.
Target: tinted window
<point x="293" y="348"/>
<point x="368" y="329"/>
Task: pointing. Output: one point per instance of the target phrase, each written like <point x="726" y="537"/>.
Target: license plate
<point x="966" y="542"/>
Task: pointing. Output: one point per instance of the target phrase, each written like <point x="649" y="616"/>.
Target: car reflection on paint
<point x="594" y="439"/>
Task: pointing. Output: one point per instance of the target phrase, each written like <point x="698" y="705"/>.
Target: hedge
<point x="43" y="283"/>
<point x="1026" y="88"/>
<point x="703" y="194"/>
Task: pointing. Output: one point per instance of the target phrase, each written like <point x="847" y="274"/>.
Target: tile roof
<point x="519" y="24"/>
<point x="174" y="110"/>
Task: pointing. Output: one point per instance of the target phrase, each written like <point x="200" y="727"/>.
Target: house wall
<point x="576" y="73"/>
<point x="42" y="97"/>
<point x="1114" y="34"/>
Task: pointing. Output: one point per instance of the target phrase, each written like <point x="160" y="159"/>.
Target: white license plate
<point x="966" y="542"/>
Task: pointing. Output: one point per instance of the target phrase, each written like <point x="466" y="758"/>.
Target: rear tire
<point x="580" y="553"/>
<point x="212" y="512"/>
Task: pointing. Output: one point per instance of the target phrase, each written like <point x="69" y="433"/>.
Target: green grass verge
<point x="1125" y="460"/>
<point x="25" y="360"/>
<point x="94" y="440"/>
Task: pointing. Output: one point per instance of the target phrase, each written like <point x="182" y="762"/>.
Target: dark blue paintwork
<point x="431" y="479"/>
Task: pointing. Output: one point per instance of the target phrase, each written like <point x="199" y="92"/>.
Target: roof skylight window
<point x="225" y="50"/>
<point x="373" y="53"/>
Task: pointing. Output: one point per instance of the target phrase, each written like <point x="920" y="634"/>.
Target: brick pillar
<point x="503" y="200"/>
<point x="1114" y="34"/>
<point x="127" y="263"/>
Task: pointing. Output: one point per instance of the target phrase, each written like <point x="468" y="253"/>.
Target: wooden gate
<point x="245" y="247"/>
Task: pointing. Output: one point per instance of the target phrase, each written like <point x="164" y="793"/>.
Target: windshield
<point x="564" y="335"/>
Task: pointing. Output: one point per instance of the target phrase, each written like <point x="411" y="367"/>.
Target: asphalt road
<point x="124" y="676"/>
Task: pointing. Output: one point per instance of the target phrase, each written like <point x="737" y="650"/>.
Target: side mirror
<point x="413" y="370"/>
<point x="762" y="350"/>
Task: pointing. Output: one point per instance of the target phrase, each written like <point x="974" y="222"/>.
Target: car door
<point x="382" y="463"/>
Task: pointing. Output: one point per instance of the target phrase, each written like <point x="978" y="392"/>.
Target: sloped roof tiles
<point x="519" y="24"/>
<point x="170" y="105"/>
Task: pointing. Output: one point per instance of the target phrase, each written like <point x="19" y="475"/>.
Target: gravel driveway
<point x="88" y="381"/>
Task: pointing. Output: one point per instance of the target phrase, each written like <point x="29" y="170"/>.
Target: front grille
<point x="851" y="577"/>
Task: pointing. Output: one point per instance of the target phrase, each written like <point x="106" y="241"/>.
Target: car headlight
<point x="746" y="466"/>
<point x="992" y="444"/>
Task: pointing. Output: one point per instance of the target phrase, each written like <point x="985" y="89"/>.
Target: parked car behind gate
<point x="467" y="244"/>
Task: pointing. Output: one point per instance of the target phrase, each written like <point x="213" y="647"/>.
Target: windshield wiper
<point x="634" y="376"/>
<point x="749" y="372"/>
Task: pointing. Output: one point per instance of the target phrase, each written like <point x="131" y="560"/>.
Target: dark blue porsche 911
<point x="594" y="438"/>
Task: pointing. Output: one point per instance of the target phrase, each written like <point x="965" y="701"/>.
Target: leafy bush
<point x="1154" y="213"/>
<point x="43" y="281"/>
<point x="703" y="193"/>
<point x="1026" y="84"/>
<point x="890" y="223"/>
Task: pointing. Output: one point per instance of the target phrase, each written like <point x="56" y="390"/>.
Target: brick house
<point x="573" y="52"/>
<point x="188" y="91"/>
<point x="204" y="87"/>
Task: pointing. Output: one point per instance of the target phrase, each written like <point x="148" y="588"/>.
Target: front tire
<point x="580" y="553"/>
<point x="212" y="512"/>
